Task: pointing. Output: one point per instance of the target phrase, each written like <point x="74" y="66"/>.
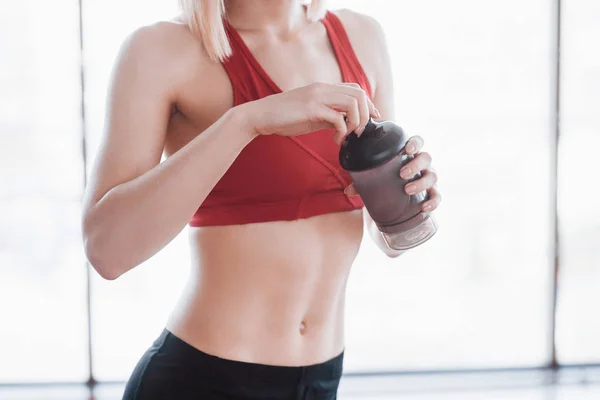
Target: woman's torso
<point x="271" y="292"/>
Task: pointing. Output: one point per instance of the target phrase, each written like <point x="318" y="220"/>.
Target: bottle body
<point x="398" y="215"/>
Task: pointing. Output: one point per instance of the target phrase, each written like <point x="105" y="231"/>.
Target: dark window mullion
<point x="556" y="108"/>
<point x="91" y="382"/>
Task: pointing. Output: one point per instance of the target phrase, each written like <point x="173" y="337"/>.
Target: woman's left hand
<point x="428" y="180"/>
<point x="420" y="164"/>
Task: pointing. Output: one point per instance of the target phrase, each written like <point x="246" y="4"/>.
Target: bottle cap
<point x="380" y="142"/>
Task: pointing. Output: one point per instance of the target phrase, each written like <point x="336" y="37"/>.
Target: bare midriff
<point x="269" y="293"/>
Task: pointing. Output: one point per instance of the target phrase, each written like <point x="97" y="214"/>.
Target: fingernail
<point x="377" y="114"/>
<point x="406" y="173"/>
<point x="411" y="189"/>
<point x="427" y="207"/>
<point x="359" y="130"/>
<point x="410" y="148"/>
<point x="347" y="192"/>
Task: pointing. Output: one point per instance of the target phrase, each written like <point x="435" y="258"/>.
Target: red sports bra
<point x="277" y="178"/>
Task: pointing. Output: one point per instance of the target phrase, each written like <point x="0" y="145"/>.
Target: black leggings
<point x="174" y="370"/>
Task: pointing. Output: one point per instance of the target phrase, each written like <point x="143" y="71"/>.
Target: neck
<point x="281" y="16"/>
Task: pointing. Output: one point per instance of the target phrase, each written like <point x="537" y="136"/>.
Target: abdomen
<point x="270" y="293"/>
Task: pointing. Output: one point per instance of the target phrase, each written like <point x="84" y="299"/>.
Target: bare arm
<point x="370" y="42"/>
<point x="134" y="205"/>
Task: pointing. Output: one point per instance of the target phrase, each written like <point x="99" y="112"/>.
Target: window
<point x="129" y="313"/>
<point x="474" y="79"/>
<point x="42" y="267"/>
<point x="578" y="325"/>
<point x="477" y="89"/>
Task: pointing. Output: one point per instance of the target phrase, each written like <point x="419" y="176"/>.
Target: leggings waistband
<point x="221" y="368"/>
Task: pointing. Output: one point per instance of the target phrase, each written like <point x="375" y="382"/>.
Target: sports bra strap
<point x="251" y="82"/>
<point x="352" y="70"/>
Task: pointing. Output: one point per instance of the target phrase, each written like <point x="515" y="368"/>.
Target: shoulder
<point x="165" y="47"/>
<point x="368" y="41"/>
<point x="360" y="21"/>
<point x="365" y="32"/>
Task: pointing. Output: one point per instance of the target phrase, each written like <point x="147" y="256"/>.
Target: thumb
<point x="351" y="191"/>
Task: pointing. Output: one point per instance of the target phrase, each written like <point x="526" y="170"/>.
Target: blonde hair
<point x="205" y="19"/>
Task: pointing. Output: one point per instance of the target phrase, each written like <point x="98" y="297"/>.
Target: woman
<point x="251" y="140"/>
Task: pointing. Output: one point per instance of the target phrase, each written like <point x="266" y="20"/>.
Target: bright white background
<point x="474" y="78"/>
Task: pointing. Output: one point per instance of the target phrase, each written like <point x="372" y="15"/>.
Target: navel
<point x="302" y="328"/>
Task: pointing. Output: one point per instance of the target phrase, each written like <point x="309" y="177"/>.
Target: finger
<point x="350" y="191"/>
<point x="365" y="105"/>
<point x="421" y="162"/>
<point x="435" y="198"/>
<point x="414" y="145"/>
<point x="329" y="117"/>
<point x="427" y="180"/>
<point x="346" y="103"/>
<point x="373" y="111"/>
<point x="363" y="109"/>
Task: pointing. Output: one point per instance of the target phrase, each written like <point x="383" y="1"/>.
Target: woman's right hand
<point x="344" y="107"/>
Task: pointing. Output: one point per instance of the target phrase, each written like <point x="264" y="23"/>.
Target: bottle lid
<point x="379" y="143"/>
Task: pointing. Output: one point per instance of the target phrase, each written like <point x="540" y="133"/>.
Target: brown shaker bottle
<point x="374" y="160"/>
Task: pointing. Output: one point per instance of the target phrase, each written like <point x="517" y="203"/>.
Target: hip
<point x="172" y="368"/>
